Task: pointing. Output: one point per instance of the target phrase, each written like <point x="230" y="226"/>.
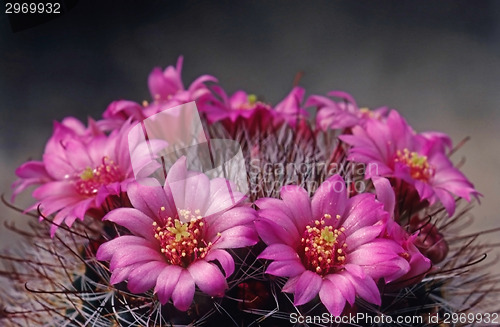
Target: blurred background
<point x="437" y="62"/>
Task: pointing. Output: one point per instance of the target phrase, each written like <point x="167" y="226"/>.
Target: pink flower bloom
<point x="81" y="167"/>
<point x="419" y="263"/>
<point x="329" y="245"/>
<point x="339" y="115"/>
<point x="248" y="108"/>
<point x="174" y="243"/>
<point x="393" y="149"/>
<point x="167" y="91"/>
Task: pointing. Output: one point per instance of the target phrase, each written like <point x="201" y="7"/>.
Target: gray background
<point x="437" y="62"/>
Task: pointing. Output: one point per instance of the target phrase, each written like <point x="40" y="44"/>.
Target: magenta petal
<point x="385" y="193"/>
<point x="366" y="288"/>
<point x="284" y="221"/>
<point x="176" y="181"/>
<point x="272" y="233"/>
<point x="134" y="254"/>
<point x="157" y="84"/>
<point x="57" y="189"/>
<point x="166" y="282"/>
<point x="279" y="252"/>
<point x="289" y="287"/>
<point x="134" y="220"/>
<point x="184" y="291"/>
<point x="364" y="235"/>
<point x="332" y="298"/>
<point x="58" y="220"/>
<point x="447" y="200"/>
<point x="121" y="274"/>
<point x="223" y="195"/>
<point x="144" y="277"/>
<point x="197" y="192"/>
<point x="307" y="287"/>
<point x="236" y="216"/>
<point x="108" y="249"/>
<point x="355" y="270"/>
<point x="236" y="237"/>
<point x="225" y="260"/>
<point x="285" y="268"/>
<point x="149" y="198"/>
<point x="330" y="198"/>
<point x="297" y="199"/>
<point x="362" y="210"/>
<point x="208" y="277"/>
<point x="80" y="209"/>
<point x="344" y="285"/>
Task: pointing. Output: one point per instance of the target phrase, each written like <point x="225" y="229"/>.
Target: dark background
<point x="438" y="62"/>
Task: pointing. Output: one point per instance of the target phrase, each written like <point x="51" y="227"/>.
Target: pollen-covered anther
<point x="419" y="167"/>
<point x="181" y="239"/>
<point x="323" y="247"/>
<point x="89" y="181"/>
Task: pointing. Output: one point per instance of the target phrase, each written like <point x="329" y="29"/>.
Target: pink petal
<point x="307" y="287"/>
<point x="366" y="288"/>
<point x="281" y="219"/>
<point x="144" y="277"/>
<point x="121" y="274"/>
<point x="134" y="220"/>
<point x="285" y="268"/>
<point x="134" y="254"/>
<point x="54" y="189"/>
<point x="362" y="210"/>
<point x="208" y="277"/>
<point x="330" y="198"/>
<point x="225" y="260"/>
<point x="176" y="181"/>
<point x="297" y="199"/>
<point x="344" y="285"/>
<point x="149" y="198"/>
<point x="197" y="192"/>
<point x="271" y="233"/>
<point x="332" y="298"/>
<point x="364" y="235"/>
<point x="385" y="193"/>
<point x="157" y="85"/>
<point x="183" y="293"/>
<point x="236" y="237"/>
<point x="58" y="220"/>
<point x="108" y="249"/>
<point x="166" y="282"/>
<point x="355" y="270"/>
<point x="279" y="252"/>
<point x="231" y="218"/>
<point x="223" y="195"/>
<point x="447" y="200"/>
<point x="80" y="209"/>
<point x="289" y="287"/>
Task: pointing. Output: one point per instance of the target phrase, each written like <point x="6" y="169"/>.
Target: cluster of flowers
<point x="331" y="243"/>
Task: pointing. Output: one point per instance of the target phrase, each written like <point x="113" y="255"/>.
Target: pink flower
<point x="329" y="245"/>
<point x="393" y="149"/>
<point x="419" y="264"/>
<point x="81" y="167"/>
<point x="167" y="91"/>
<point x="174" y="244"/>
<point x="249" y="109"/>
<point x="340" y="115"/>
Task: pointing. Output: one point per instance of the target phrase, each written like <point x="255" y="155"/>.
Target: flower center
<point x="90" y="180"/>
<point x="418" y="165"/>
<point x="182" y="242"/>
<point x="323" y="247"/>
<point x="252" y="103"/>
